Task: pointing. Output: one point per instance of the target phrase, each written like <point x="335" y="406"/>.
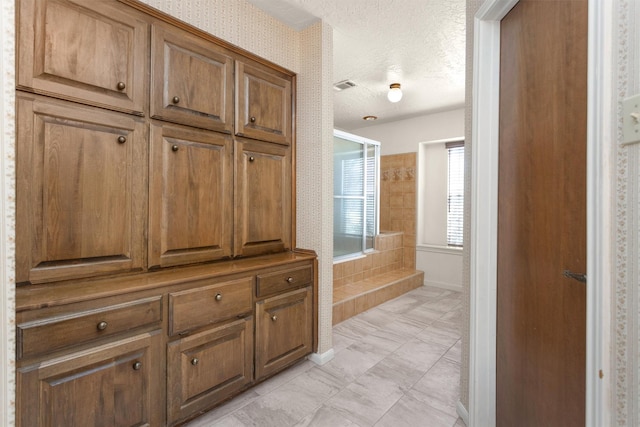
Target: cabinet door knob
<point x="195" y="361"/>
<point x="175" y="100"/>
<point x="102" y="326"/>
<point x="137" y="366"/>
<point x="252" y="119"/>
<point x="174" y="148"/>
<point x="251" y="158"/>
<point x="274" y="318"/>
<point x="218" y="297"/>
<point x="289" y="279"/>
<point x="122" y="139"/>
<point x="121" y="86"/>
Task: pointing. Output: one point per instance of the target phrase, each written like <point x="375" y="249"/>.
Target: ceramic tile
<point x="438" y="335"/>
<point x="216" y="416"/>
<point x="455" y="353"/>
<point x="412" y="412"/>
<point x="353" y="361"/>
<point x="420" y="353"/>
<point x="364" y="406"/>
<point x="283" y="377"/>
<point x="324" y="417"/>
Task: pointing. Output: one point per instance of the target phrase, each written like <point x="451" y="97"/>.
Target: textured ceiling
<point x="418" y="43"/>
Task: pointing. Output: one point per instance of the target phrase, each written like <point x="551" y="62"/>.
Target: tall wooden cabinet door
<point x="263" y="198"/>
<point x="81" y="191"/>
<point x="118" y="384"/>
<point x="91" y="52"/>
<point x="263" y="104"/>
<point x="192" y="80"/>
<point x="191" y="196"/>
<point x="206" y="368"/>
<point x="283" y="330"/>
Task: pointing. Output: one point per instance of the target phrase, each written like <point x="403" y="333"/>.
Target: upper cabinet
<point x="192" y="80"/>
<point x="263" y="104"/>
<point x="190" y="195"/>
<point x="81" y="180"/>
<point x="91" y="52"/>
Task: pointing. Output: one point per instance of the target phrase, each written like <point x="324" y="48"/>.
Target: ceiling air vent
<point x="345" y="84"/>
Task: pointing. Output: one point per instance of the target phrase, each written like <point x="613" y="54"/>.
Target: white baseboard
<point x="462" y="412"/>
<point x="321" y="359"/>
<point x="442" y="285"/>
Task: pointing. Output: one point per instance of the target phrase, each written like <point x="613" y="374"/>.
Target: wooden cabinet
<point x="192" y="80"/>
<point x="117" y="384"/>
<point x="263" y="104"/>
<point x="283" y="325"/>
<point x="262" y="198"/>
<point x="206" y="368"/>
<point x="191" y="195"/>
<point x="80" y="174"/>
<point x="92" y="52"/>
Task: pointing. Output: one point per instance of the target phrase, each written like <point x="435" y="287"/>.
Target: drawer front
<point x="272" y="283"/>
<point x="54" y="333"/>
<point x="205" y="305"/>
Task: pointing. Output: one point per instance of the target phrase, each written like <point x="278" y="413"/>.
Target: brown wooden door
<point x="263" y="198"/>
<point x="283" y="330"/>
<point x="542" y="215"/>
<point x="263" y="104"/>
<point x="206" y="368"/>
<point x="93" y="52"/>
<point x="191" y="195"/>
<point x="114" y="385"/>
<point x="81" y="205"/>
<point x="192" y="80"/>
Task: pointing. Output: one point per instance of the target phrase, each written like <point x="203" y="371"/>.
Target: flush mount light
<point x="395" y="94"/>
<point x="368" y="118"/>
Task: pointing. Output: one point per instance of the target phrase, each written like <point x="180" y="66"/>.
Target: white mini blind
<point x="455" y="193"/>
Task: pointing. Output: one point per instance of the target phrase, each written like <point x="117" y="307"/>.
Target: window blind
<point x="455" y="193"/>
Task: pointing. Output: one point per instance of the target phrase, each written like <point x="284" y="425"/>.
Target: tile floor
<point x="396" y="365"/>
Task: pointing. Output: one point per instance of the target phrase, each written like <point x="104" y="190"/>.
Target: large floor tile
<point x="411" y="412"/>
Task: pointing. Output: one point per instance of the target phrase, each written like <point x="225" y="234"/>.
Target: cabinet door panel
<point x="263" y="104"/>
<point x="263" y="198"/>
<point x="81" y="172"/>
<point x="283" y="330"/>
<point x="191" y="196"/>
<point x="206" y="368"/>
<point x="113" y="385"/>
<point x="192" y="81"/>
<point x="93" y="53"/>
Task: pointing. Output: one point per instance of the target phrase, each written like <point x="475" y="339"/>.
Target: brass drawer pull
<point x="174" y="147"/>
<point x="218" y="297"/>
<point x="195" y="361"/>
<point x="251" y="158"/>
<point x="274" y="318"/>
<point x="121" y="86"/>
<point x="102" y="326"/>
<point x="175" y="100"/>
<point x="289" y="279"/>
<point x="122" y="139"/>
<point x="252" y="119"/>
<point x="137" y="366"/>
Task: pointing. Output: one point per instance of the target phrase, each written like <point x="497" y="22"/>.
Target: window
<point x="355" y="188"/>
<point x="455" y="192"/>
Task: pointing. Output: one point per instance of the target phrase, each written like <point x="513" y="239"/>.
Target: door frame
<point x="484" y="211"/>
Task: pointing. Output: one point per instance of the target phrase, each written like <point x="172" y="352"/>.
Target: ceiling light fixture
<point x="395" y="94"/>
<point x="367" y="118"/>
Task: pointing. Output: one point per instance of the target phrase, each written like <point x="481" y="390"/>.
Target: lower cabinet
<point x="207" y="367"/>
<point x="283" y="325"/>
<point x="111" y="385"/>
<point x="179" y="344"/>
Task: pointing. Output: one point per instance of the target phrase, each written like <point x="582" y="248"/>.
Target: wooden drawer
<point x="54" y="333"/>
<point x="280" y="281"/>
<point x="206" y="305"/>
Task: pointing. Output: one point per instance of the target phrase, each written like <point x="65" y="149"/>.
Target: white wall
<point x="403" y="136"/>
<point x="442" y="266"/>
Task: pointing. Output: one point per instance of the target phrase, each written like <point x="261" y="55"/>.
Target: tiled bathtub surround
<point x="398" y="200"/>
<point x="363" y="283"/>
